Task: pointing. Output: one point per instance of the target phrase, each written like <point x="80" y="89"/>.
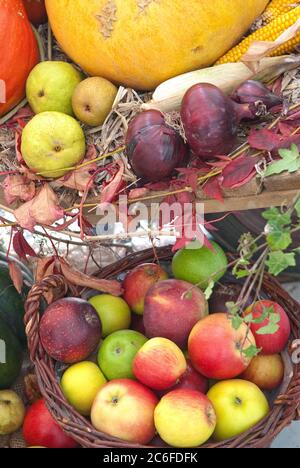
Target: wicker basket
<point x="284" y="410"/>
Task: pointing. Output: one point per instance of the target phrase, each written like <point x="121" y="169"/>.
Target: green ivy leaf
<point x="251" y="352"/>
<point x="274" y="215"/>
<point x="269" y="329"/>
<point x="279" y="240"/>
<point x="232" y="308"/>
<point x="209" y="290"/>
<point x="236" y="322"/>
<point x="279" y="261"/>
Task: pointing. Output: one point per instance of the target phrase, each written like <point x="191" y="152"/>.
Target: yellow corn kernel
<point x="277" y="8"/>
<point x="270" y="32"/>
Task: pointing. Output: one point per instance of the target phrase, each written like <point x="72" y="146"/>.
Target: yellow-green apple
<point x="113" y="311"/>
<point x="81" y="383"/>
<point x="239" y="406"/>
<point x="172" y="308"/>
<point x="137" y="283"/>
<point x="159" y="364"/>
<point x="125" y="409"/>
<point x="190" y="380"/>
<point x="185" y="418"/>
<point x="117" y="352"/>
<point x="266" y="371"/>
<point x="272" y="343"/>
<point x="216" y="348"/>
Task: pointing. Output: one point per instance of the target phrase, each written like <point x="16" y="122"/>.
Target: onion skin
<point x="251" y="92"/>
<point x="210" y="120"/>
<point x="154" y="149"/>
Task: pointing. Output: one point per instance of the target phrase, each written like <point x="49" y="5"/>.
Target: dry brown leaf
<point x="79" y="178"/>
<point x="18" y="187"/>
<point x="80" y="279"/>
<point x="45" y="267"/>
<point x="16" y="275"/>
<point x="42" y="209"/>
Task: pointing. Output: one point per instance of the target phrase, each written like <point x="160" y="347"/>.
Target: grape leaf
<point x="279" y="240"/>
<point x="279" y="261"/>
<point x="269" y="329"/>
<point x="290" y="162"/>
<point x="209" y="290"/>
<point x="236" y="322"/>
<point x="276" y="217"/>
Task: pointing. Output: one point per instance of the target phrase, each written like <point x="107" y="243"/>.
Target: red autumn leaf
<point x="79" y="178"/>
<point x="285" y="128"/>
<point x="16" y="275"/>
<point x="293" y="116"/>
<point x="191" y="176"/>
<point x="138" y="193"/>
<point x="42" y="209"/>
<point x="18" y="187"/>
<point x="238" y="172"/>
<point x="21" y="246"/>
<point x="264" y="139"/>
<point x="80" y="279"/>
<point x="158" y="186"/>
<point x="113" y="187"/>
<point x="85" y="226"/>
<point x="212" y="189"/>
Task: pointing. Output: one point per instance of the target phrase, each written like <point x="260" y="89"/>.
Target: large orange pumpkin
<point x="18" y="53"/>
<point x="141" y="43"/>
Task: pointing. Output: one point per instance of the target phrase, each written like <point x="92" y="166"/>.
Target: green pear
<point x="50" y="87"/>
<point x="51" y="143"/>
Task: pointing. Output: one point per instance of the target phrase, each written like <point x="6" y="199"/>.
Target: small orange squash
<point x="19" y="53"/>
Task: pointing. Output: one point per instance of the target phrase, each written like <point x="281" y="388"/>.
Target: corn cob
<point x="270" y="32"/>
<point x="277" y="8"/>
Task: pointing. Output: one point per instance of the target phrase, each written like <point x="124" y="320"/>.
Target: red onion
<point x="254" y="92"/>
<point x="211" y="119"/>
<point x="154" y="149"/>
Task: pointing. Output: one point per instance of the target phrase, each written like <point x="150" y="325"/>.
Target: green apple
<point x="12" y="412"/>
<point x="113" y="311"/>
<point x="50" y="87"/>
<point x="80" y="384"/>
<point x="117" y="353"/>
<point x="239" y="406"/>
<point x="51" y="143"/>
<point x="93" y="99"/>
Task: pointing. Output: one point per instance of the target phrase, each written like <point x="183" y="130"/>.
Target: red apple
<point x="138" y="282"/>
<point x="125" y="409"/>
<point x="159" y="364"/>
<point x="266" y="372"/>
<point x="272" y="343"/>
<point x="172" y="308"/>
<point x="41" y="430"/>
<point x="190" y="380"/>
<point x="216" y="348"/>
<point x="70" y="330"/>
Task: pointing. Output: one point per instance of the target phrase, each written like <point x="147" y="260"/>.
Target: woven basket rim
<point x="285" y="408"/>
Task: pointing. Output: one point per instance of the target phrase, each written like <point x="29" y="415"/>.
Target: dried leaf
<point x="45" y="267"/>
<point x="31" y="388"/>
<point x="43" y="209"/>
<point x="16" y="275"/>
<point x="18" y="187"/>
<point x="138" y="193"/>
<point x="80" y="279"/>
<point x="79" y="178"/>
<point x="111" y="190"/>
<point x="21" y="246"/>
<point x="260" y="49"/>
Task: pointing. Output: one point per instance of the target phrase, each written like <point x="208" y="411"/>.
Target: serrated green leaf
<point x="275" y="318"/>
<point x="290" y="162"/>
<point x="279" y="240"/>
<point x="232" y="308"/>
<point x="276" y="217"/>
<point x="279" y="261"/>
<point x="251" y="352"/>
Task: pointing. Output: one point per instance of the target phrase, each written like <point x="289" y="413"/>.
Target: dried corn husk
<point x="168" y="96"/>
